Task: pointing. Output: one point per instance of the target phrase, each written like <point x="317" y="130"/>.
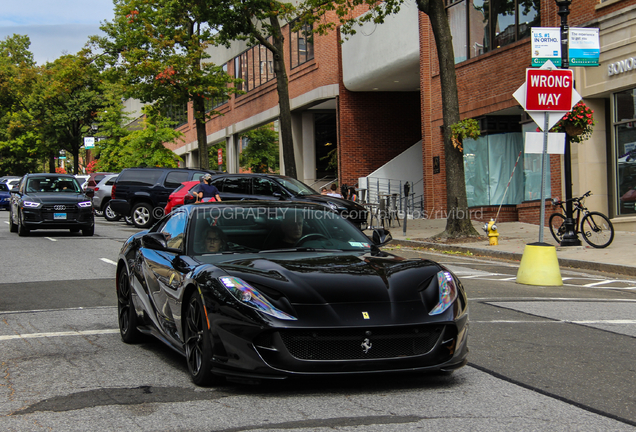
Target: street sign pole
<point x="570" y="237"/>
<point x="544" y="163"/>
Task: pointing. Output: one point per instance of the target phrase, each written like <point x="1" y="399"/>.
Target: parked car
<point x="82" y="179"/>
<point x="212" y="282"/>
<point x="51" y="201"/>
<point x="178" y="196"/>
<point x="101" y="199"/>
<point x="5" y="196"/>
<point x="95" y="178"/>
<point x="279" y="187"/>
<point x="142" y="193"/>
<point x="12" y="182"/>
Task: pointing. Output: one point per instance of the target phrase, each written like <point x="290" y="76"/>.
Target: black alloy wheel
<point x="198" y="346"/>
<point x="127" y="316"/>
<point x="12" y="227"/>
<point x="22" y="230"/>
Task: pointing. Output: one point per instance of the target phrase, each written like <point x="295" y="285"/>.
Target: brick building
<point x="377" y="96"/>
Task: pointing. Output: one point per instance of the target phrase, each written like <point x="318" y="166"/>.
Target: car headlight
<point x="31" y="204"/>
<point x="85" y="204"/>
<point x="447" y="292"/>
<point x="248" y="295"/>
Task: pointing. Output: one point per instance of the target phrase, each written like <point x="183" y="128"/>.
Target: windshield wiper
<point x="300" y="249"/>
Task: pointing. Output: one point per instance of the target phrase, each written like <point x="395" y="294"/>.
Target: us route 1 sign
<point x="549" y="90"/>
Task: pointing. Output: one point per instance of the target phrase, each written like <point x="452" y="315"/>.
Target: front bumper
<point x="45" y="218"/>
<point x="120" y="206"/>
<point x="279" y="353"/>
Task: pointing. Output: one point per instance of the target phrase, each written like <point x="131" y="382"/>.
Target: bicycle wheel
<point x="557" y="226"/>
<point x="597" y="230"/>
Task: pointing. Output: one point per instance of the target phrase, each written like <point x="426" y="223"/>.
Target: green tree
<point x="142" y="145"/>
<point x="65" y="101"/>
<point x="20" y="140"/>
<point x="458" y="222"/>
<point x="261" y="153"/>
<point x="214" y="156"/>
<point x="261" y="22"/>
<point x="157" y="48"/>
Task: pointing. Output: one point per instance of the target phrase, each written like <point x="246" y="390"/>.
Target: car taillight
<point x="112" y="192"/>
<point x="96" y="189"/>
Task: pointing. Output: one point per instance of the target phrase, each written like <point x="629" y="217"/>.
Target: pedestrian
<point x="334" y="191"/>
<point x="324" y="191"/>
<point x="208" y="192"/>
<point x="352" y="196"/>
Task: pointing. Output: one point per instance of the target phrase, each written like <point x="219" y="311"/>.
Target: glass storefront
<point x="625" y="139"/>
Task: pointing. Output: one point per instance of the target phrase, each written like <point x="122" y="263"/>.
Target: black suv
<point x="279" y="187"/>
<point x="142" y="193"/>
<point x="51" y="201"/>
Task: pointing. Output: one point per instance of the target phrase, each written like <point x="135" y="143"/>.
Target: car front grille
<point x="360" y="344"/>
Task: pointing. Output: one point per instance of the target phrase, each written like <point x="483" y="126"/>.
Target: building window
<point x="177" y="113"/>
<point x="255" y="67"/>
<point x="479" y="26"/>
<point x="625" y="138"/>
<point x="213" y="103"/>
<point x="301" y="46"/>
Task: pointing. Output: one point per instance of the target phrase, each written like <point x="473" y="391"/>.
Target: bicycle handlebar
<point x="575" y="199"/>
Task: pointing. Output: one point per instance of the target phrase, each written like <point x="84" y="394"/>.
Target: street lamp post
<point x="570" y="237"/>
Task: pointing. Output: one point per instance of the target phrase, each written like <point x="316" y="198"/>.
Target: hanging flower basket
<point x="573" y="130"/>
<point x="578" y="123"/>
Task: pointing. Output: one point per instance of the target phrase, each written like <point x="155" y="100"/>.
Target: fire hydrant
<point x="491" y="230"/>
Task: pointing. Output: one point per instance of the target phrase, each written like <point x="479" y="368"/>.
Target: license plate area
<point x="57" y="216"/>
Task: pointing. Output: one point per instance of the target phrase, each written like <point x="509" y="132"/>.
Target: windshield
<point x="296" y="187"/>
<point x="52" y="184"/>
<point x="215" y="230"/>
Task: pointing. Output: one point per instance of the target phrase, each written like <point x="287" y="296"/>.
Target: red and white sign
<point x="220" y="157"/>
<point x="549" y="90"/>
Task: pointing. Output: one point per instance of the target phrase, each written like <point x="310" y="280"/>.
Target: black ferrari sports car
<point x="271" y="290"/>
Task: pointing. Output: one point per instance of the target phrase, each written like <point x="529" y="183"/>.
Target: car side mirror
<point x="278" y="195"/>
<point x="381" y="236"/>
<point x="157" y="241"/>
<point x="189" y="199"/>
<point x="89" y="193"/>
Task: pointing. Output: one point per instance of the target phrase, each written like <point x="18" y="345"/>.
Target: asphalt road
<point x="542" y="358"/>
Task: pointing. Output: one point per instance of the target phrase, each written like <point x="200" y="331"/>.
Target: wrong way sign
<point x="546" y="104"/>
<point x="549" y="90"/>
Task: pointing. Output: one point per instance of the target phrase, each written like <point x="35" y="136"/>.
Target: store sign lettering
<point x="621" y="66"/>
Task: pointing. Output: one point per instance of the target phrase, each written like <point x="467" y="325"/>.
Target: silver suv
<point x="101" y="200"/>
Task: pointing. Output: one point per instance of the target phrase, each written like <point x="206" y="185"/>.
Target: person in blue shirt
<point x="207" y="191"/>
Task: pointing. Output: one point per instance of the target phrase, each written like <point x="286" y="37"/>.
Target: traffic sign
<point x="89" y="142"/>
<point x="549" y="90"/>
<point x="220" y="157"/>
<point x="539" y="116"/>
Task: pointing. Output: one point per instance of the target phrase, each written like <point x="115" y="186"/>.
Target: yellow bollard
<point x="539" y="266"/>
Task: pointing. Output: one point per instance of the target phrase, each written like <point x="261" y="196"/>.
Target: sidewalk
<point x="618" y="257"/>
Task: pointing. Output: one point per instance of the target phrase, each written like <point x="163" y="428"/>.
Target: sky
<point x="55" y="27"/>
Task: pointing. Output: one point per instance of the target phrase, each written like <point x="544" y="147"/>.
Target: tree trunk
<point x="52" y="162"/>
<point x="282" y="85"/>
<point x="458" y="220"/>
<point x="198" y="103"/>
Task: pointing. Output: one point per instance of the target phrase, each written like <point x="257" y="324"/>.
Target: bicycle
<point x="596" y="228"/>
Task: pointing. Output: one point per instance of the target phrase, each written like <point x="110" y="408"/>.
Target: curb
<point x="512" y="256"/>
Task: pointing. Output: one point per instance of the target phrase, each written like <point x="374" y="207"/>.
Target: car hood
<point x="56" y="197"/>
<point x="336" y="278"/>
<point x="340" y="202"/>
